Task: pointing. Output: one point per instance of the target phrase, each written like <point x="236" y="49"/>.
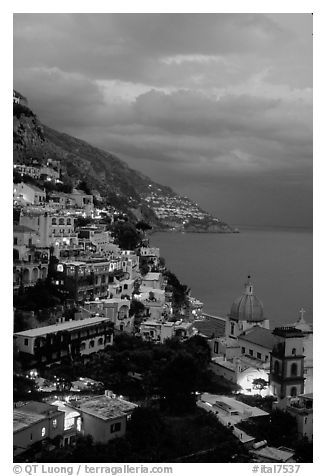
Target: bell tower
<point x="287" y="363"/>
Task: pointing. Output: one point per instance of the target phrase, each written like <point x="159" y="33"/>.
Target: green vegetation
<point x="126" y="235"/>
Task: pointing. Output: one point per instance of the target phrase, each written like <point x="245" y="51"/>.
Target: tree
<point x="260" y="384"/>
<point x="126" y="235"/>
<point x="83" y="185"/>
<point x="143" y="226"/>
<point x="178" y="381"/>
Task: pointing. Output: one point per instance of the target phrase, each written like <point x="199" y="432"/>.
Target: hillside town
<point x="108" y="343"/>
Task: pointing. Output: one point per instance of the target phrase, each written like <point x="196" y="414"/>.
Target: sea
<point x="216" y="266"/>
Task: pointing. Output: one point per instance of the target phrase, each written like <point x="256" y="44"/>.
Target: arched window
<point x="68" y="221"/>
<point x="61" y="221"/>
<point x="294" y="369"/>
<point x="91" y="344"/>
<point x="294" y="351"/>
<point x="100" y="341"/>
<point x="277" y="367"/>
<point x="293" y="391"/>
<point x="54" y="221"/>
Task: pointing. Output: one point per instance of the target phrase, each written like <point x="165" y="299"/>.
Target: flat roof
<point x="151" y="276"/>
<point x="63" y="326"/>
<point x="104" y="407"/>
<point x="23" y="229"/>
<point x="273" y="453"/>
<point x="23" y="419"/>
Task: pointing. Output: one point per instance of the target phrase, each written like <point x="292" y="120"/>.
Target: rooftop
<point x="63" y="326"/>
<point x="287" y="331"/>
<point x="30" y="413"/>
<point x="22" y="419"/>
<point x="211" y="326"/>
<point x="260" y="336"/>
<point x="275" y="454"/>
<point x="104" y="407"/>
<point x="152" y="277"/>
<point x="23" y="229"/>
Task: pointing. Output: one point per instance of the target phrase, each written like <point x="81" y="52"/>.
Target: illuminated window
<point x="55" y="423"/>
<point x="43" y="431"/>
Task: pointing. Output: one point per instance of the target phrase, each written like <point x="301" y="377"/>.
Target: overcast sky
<point x="219" y="106"/>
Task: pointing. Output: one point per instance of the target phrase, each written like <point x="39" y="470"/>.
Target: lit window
<point x="55" y="423"/>
<point x="43" y="431"/>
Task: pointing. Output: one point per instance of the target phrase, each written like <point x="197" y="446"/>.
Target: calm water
<point x="215" y="267"/>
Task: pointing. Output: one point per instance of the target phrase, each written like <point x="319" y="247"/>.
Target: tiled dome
<point x="247" y="307"/>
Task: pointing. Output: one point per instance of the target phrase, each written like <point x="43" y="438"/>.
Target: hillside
<point x="126" y="189"/>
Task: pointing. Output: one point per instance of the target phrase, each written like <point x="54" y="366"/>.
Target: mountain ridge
<point x="123" y="187"/>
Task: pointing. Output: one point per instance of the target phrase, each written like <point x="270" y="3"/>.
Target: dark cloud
<point x="205" y="102"/>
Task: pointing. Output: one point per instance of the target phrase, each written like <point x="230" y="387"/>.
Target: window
<point x="15" y="240"/>
<point x="294" y="369"/>
<point x="251" y="352"/>
<point x="294" y="351"/>
<point x="91" y="344"/>
<point x="31" y="436"/>
<point x="25" y="341"/>
<point x="215" y="347"/>
<point x="243" y="350"/>
<point x="43" y="431"/>
<point x="115" y="427"/>
<point x="293" y="391"/>
<point x="100" y="341"/>
<point x="232" y="328"/>
<point x="258" y="355"/>
<point x="54" y="221"/>
<point x="61" y="221"/>
<point x="30" y="241"/>
<point x="305" y="420"/>
<point x="277" y="367"/>
<point x="125" y="286"/>
<point x="54" y="423"/>
<point x="68" y="221"/>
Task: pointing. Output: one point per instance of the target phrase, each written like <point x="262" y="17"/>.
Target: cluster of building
<point x="262" y="361"/>
<point x="173" y="209"/>
<point x="38" y="426"/>
<point x="103" y="285"/>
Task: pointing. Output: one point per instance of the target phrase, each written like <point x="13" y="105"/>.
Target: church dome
<point x="247" y="307"/>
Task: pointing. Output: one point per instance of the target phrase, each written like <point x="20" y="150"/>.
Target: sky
<point x="218" y="106"/>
